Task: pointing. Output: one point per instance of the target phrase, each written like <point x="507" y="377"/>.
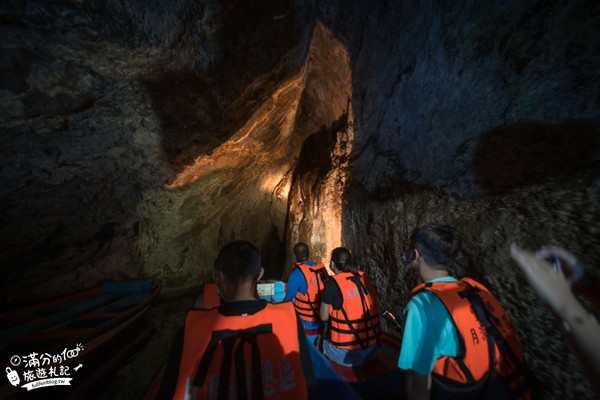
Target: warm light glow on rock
<point x="244" y="149"/>
<point x="315" y="210"/>
<point x="328" y="215"/>
<point x="278" y="184"/>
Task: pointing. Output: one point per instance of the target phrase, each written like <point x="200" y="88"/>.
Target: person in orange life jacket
<point x="449" y="342"/>
<point x="350" y="307"/>
<point x="556" y="285"/>
<point x="245" y="347"/>
<point x="304" y="287"/>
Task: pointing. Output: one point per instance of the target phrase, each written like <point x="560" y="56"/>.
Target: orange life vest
<point x="307" y="305"/>
<point x="356" y="324"/>
<point x="210" y="296"/>
<point x="228" y="357"/>
<point x="489" y="341"/>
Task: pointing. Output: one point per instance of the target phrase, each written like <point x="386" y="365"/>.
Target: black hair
<point x="239" y="261"/>
<point x="301" y="251"/>
<point x="342" y="259"/>
<point x="438" y="244"/>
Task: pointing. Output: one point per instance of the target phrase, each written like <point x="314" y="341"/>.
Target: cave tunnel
<point x="138" y="137"/>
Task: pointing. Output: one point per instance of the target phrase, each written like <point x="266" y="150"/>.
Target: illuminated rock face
<point x="138" y="138"/>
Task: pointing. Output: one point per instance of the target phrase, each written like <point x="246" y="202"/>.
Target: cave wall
<point x="483" y="115"/>
<point x="140" y="136"/>
<point x="111" y="112"/>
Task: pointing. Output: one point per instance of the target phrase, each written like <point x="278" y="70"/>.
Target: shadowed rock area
<point x="138" y="137"/>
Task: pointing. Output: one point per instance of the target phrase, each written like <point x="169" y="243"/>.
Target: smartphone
<point x="555" y="262"/>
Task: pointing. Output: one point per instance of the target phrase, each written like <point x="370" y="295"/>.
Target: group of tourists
<point x="458" y="341"/>
<point x="339" y="313"/>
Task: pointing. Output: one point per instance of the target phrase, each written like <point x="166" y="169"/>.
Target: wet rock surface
<point x="139" y="137"/>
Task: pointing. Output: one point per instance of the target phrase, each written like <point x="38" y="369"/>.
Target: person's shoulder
<point x="330" y="290"/>
<point x="423" y="299"/>
<point x="331" y="283"/>
<point x="427" y="308"/>
<point x="417" y="299"/>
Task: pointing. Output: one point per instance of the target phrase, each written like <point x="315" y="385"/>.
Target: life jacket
<point x="210" y="296"/>
<point x="490" y="360"/>
<point x="241" y="356"/>
<point x="308" y="305"/>
<point x="356" y="324"/>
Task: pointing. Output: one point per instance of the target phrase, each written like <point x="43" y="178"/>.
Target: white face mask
<point x="217" y="280"/>
<point x="223" y="298"/>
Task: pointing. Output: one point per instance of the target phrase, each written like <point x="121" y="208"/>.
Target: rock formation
<point x="138" y="137"/>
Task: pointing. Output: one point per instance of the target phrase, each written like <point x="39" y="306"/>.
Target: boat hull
<point x="68" y="330"/>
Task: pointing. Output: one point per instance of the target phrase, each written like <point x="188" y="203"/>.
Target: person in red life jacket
<point x="556" y="284"/>
<point x="245" y="347"/>
<point x="210" y="297"/>
<point x="455" y="331"/>
<point x="304" y="288"/>
<point x="350" y="307"/>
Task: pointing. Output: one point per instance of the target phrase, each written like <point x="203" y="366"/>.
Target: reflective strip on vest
<point x="473" y="360"/>
<point x="210" y="296"/>
<point x="307" y="305"/>
<point x="356" y="324"/>
<point x="228" y="357"/>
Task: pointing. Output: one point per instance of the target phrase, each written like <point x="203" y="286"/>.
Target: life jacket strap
<point x="516" y="381"/>
<point x="228" y="338"/>
<point x="225" y="368"/>
<point x="311" y="311"/>
<point x="472" y="295"/>
<point x="364" y="318"/>
<point x="240" y="368"/>
<point x="367" y="317"/>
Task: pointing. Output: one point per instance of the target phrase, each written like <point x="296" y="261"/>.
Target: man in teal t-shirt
<point x="436" y="352"/>
<point x="429" y="332"/>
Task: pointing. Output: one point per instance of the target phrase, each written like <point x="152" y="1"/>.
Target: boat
<point x="62" y="332"/>
<point x="379" y="379"/>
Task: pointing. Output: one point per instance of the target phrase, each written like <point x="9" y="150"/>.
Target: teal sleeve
<point x="429" y="334"/>
<point x="415" y="354"/>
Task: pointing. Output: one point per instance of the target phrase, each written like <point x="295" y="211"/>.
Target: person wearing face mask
<point x="458" y="340"/>
<point x="245" y="347"/>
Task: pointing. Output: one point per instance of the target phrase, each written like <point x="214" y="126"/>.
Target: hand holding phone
<point x="562" y="261"/>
